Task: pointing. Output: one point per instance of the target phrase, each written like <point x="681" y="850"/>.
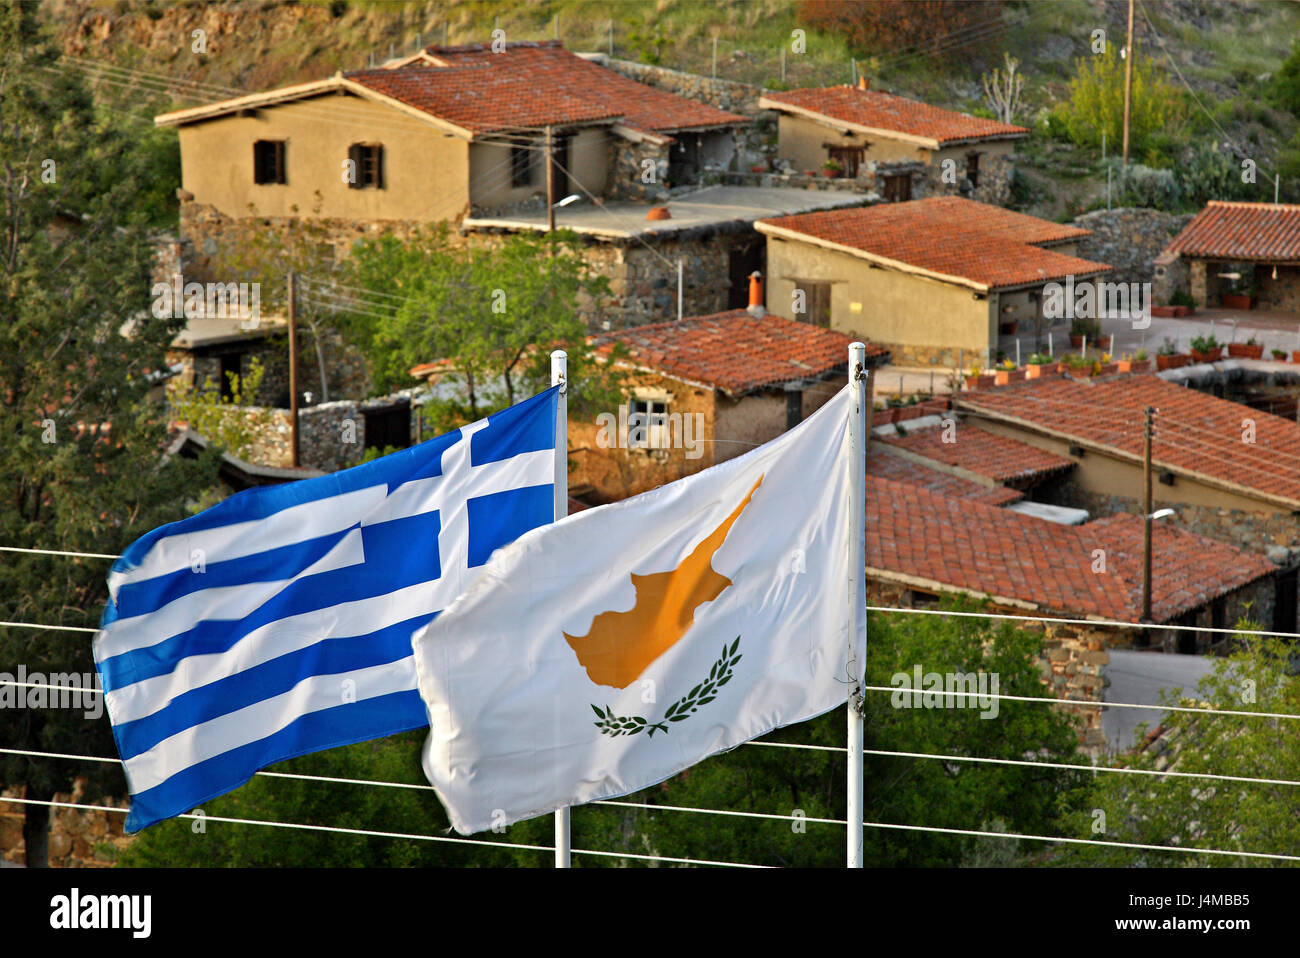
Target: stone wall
<point x="729" y="95"/>
<point x="628" y="167"/>
<point x="78" y="838"/>
<point x="1128" y="239"/>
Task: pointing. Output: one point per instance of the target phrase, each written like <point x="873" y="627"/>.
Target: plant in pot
<point x="1206" y="349"/>
<point x="1080" y="367"/>
<point x="1136" y="363"/>
<point x="1081" y="328"/>
<point x="1279" y="355"/>
<point x="1004" y="371"/>
<point x="1039" y="365"/>
<point x="1240" y="296"/>
<point x="1250" y="349"/>
<point x="1182" y="303"/>
<point x="832" y="168"/>
<point x="1168" y="356"/>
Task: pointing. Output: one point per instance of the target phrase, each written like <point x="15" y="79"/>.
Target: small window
<point x="268" y="161"/>
<point x="848" y="157"/>
<point x="973" y="168"/>
<point x="648" y="424"/>
<point x="898" y="188"/>
<point x="816" y="303"/>
<point x="367" y="165"/>
<point x="521" y="166"/>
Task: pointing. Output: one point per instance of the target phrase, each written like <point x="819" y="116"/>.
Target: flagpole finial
<point x="560" y="370"/>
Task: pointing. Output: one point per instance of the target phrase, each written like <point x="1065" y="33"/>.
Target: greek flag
<point x="279" y="621"/>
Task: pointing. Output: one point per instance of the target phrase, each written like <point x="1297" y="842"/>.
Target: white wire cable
<point x="370" y="833"/>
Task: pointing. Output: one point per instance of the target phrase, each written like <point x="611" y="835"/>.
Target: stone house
<point x="937" y="280"/>
<point x="1228" y="471"/>
<point x="1249" y="248"/>
<point x="898" y="148"/>
<point x="704" y="390"/>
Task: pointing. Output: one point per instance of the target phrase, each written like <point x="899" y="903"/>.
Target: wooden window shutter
<point x="354" y="157"/>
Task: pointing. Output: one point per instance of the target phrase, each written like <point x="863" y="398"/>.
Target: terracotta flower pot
<point x="1134" y="365"/>
<point x="1236" y="301"/>
<point x="1002" y="377"/>
<point x="1210" y="357"/>
<point x="1246" y="351"/>
<point x="1034" y="371"/>
<point x="659" y="213"/>
<point x="1076" y="341"/>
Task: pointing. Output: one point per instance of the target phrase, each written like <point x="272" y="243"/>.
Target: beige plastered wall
<point x="490" y="169"/>
<point x="426" y="171"/>
<point x="803" y="142"/>
<point x="1097" y="472"/>
<point x="895" y="307"/>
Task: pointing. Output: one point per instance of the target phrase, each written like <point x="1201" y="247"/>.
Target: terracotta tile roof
<point x="1245" y="231"/>
<point x="1195" y="434"/>
<point x="884" y="466"/>
<point x="481" y="99"/>
<point x="549" y="73"/>
<point x="736" y="352"/>
<point x="884" y="111"/>
<point x="968" y="546"/>
<point x="975" y="243"/>
<point x="980" y="451"/>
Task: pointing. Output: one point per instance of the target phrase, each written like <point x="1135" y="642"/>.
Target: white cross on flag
<point x="608" y="651"/>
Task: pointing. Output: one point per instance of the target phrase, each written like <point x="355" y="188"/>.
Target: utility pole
<point x="293" y="364"/>
<point x="1128" y="78"/>
<point x="550" y="180"/>
<point x="1146" y="517"/>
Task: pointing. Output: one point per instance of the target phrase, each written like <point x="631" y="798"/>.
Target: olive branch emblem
<point x="679" y="711"/>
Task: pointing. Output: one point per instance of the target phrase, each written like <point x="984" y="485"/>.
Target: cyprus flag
<point x="609" y="651"/>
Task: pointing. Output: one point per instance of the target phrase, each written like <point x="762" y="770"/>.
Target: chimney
<point x="863" y="83"/>
<point x="756" y="307"/>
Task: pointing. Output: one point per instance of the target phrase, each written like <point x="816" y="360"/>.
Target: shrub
<point x="1139" y="185"/>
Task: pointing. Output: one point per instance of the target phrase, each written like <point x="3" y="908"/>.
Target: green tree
<point x="1196" y="813"/>
<point x="1096" y="103"/>
<point x="82" y="465"/>
<point x="493" y="314"/>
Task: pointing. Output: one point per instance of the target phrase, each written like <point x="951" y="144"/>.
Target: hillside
<point x="140" y="54"/>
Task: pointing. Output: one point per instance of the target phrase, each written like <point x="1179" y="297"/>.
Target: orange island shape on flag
<point x="622" y="645"/>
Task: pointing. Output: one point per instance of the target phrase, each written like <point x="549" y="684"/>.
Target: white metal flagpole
<point x="857" y="592"/>
<point x="560" y="377"/>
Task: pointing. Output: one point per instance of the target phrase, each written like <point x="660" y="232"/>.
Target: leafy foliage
<point x="1194" y="813"/>
<point x="1096" y="103"/>
<point x="82" y="465"/>
<point x="889" y="25"/>
<point x="229" y="422"/>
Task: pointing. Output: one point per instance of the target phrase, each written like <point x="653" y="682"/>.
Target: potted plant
<point x="1003" y="373"/>
<point x="1206" y="349"/>
<point x="1241" y="295"/>
<point x="1040" y="364"/>
<point x="1168" y="356"/>
<point x="832" y="168"/>
<point x="1081" y="328"/>
<point x="1137" y="363"/>
<point x="1279" y="355"/>
<point x="1182" y="303"/>
<point x="1247" y="350"/>
<point x="1080" y="367"/>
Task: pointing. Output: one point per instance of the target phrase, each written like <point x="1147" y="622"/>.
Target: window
<point x="268" y="161"/>
<point x="521" y="166"/>
<point x="388" y="426"/>
<point x="849" y="157"/>
<point x="898" y="188"/>
<point x="973" y="168"/>
<point x="648" y="424"/>
<point x="816" y="303"/>
<point x="367" y="165"/>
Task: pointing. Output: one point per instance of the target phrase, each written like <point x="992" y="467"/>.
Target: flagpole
<point x="857" y="592"/>
<point x="560" y="377"/>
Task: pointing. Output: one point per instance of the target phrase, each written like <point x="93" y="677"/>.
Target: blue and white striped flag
<point x="279" y="621"/>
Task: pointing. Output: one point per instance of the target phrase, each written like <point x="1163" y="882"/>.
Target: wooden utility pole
<point x="1128" y="78"/>
<point x="293" y="364"/>
<point x="1146" y="517"/>
<point x="550" y="180"/>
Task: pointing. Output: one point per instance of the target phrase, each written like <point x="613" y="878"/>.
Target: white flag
<point x="608" y="651"/>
